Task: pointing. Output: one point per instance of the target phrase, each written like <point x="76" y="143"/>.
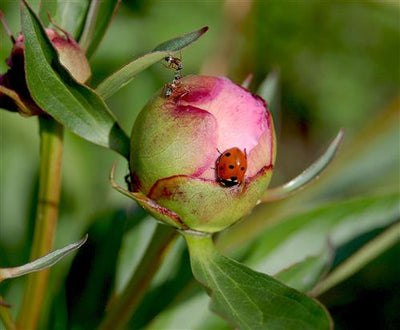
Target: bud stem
<point x="51" y="149"/>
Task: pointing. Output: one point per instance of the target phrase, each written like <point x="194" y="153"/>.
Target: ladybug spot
<point x="231" y="166"/>
<point x="242" y="168"/>
<point x="227" y="154"/>
<point x="221" y="167"/>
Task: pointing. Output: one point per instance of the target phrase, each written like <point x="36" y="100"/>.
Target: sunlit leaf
<point x="306" y="234"/>
<point x="76" y="106"/>
<point x="133" y="246"/>
<point x="303" y="275"/>
<point x="98" y="18"/>
<point x="189" y="307"/>
<point x="311" y="173"/>
<point x="124" y="75"/>
<point x="248" y="299"/>
<point x="42" y="263"/>
<point x="190" y="310"/>
<point x="366" y="254"/>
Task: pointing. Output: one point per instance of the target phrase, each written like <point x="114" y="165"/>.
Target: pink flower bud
<point x="178" y="141"/>
<point x="70" y="55"/>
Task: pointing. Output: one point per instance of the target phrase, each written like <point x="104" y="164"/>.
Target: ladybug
<point x="231" y="167"/>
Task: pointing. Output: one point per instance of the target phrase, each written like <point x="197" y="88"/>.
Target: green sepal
<point x="157" y="211"/>
<point x="207" y="206"/>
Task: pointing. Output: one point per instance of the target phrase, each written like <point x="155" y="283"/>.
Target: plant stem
<point x="362" y="257"/>
<point x="124" y="306"/>
<point x="51" y="149"/>
<point x="88" y="29"/>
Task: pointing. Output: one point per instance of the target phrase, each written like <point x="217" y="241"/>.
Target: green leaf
<point x="76" y="106"/>
<point x="308" y="175"/>
<point x="92" y="274"/>
<point x="306" y="235"/>
<point x="42" y="263"/>
<point x="190" y="311"/>
<point x="124" y="305"/>
<point x="361" y="258"/>
<point x="70" y="15"/>
<point x="98" y="19"/>
<point x="178" y="43"/>
<point x="133" y="245"/>
<point x="302" y="276"/>
<point x="248" y="299"/>
<point x="124" y="75"/>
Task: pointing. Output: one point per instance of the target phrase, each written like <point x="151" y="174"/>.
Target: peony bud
<point x="14" y="93"/>
<point x="177" y="142"/>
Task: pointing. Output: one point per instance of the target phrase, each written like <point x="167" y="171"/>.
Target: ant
<point x="174" y="63"/>
<point x="171" y="87"/>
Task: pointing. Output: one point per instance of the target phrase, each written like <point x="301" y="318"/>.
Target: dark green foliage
<point x="91" y="278"/>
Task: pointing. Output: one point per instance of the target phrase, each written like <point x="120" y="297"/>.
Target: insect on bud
<point x="205" y="152"/>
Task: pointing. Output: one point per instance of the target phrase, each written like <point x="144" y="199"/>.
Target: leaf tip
<point x="83" y="240"/>
<point x="337" y="141"/>
<point x="204" y="29"/>
<point x="340" y="135"/>
<point x="111" y="176"/>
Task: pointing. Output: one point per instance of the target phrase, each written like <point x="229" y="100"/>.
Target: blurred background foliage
<point x="339" y="67"/>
